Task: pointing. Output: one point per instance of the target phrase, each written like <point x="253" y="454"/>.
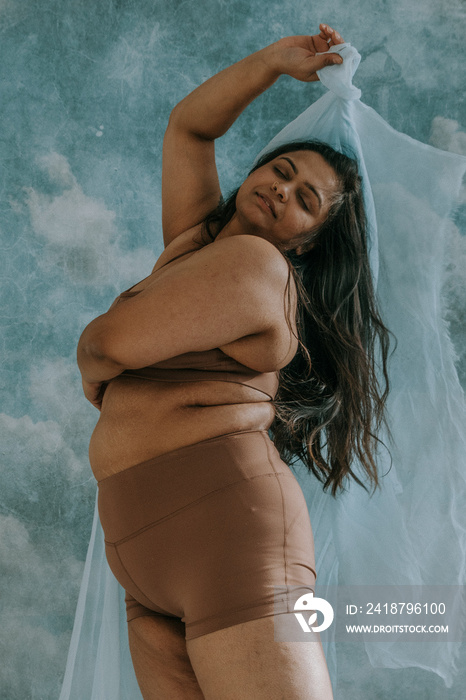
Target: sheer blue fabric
<point x="413" y="530"/>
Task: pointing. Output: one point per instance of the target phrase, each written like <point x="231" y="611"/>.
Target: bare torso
<point x="141" y="419"/>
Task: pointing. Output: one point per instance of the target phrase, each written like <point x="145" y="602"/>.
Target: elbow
<point x="175" y="113"/>
<point x="95" y="360"/>
<point x="90" y="351"/>
<point x="92" y="342"/>
<point x="183" y="122"/>
<point x="177" y="118"/>
<point x="89" y="356"/>
<point x="172" y="119"/>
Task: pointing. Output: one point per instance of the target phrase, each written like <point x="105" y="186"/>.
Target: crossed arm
<point x="228" y="290"/>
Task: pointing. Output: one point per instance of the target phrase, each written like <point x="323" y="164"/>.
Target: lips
<point x="267" y="203"/>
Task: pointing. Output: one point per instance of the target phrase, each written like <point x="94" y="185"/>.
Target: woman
<point x="258" y="314"/>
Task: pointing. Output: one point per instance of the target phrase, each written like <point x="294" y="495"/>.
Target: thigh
<point x="160" y="659"/>
<point x="244" y="662"/>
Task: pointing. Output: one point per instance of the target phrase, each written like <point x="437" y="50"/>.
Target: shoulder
<point x="250" y="267"/>
<point x="250" y="256"/>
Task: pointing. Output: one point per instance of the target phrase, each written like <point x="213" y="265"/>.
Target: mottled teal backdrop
<point x="86" y="92"/>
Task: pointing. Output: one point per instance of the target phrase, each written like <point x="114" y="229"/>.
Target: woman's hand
<point x="296" y="55"/>
<point x="94" y="392"/>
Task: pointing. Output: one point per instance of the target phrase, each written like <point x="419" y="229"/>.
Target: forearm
<point x="210" y="110"/>
<point x="94" y="362"/>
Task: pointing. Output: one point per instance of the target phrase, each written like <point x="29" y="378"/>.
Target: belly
<point x="142" y="419"/>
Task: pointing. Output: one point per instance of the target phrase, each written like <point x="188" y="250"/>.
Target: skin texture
<point x="193" y="305"/>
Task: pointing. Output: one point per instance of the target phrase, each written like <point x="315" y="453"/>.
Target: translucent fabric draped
<point x="413" y="530"/>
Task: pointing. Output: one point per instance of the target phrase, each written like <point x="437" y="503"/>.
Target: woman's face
<point x="286" y="198"/>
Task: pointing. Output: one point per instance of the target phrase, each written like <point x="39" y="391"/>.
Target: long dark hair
<point x="329" y="405"/>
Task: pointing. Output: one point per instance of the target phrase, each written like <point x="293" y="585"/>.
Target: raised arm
<point x="190" y="186"/>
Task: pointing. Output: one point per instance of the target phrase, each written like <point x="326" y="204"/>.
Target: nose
<point x="281" y="190"/>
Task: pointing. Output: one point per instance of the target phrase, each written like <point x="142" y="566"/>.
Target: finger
<point x="337" y="39"/>
<point x="331" y="35"/>
<point x="326" y="59"/>
<point x="320" y="44"/>
<point x="325" y="31"/>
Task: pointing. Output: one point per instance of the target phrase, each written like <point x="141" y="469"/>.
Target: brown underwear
<point x="207" y="533"/>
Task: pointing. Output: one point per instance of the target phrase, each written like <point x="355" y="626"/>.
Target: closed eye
<point x="303" y="204"/>
<point x="279" y="172"/>
<point x="302" y="201"/>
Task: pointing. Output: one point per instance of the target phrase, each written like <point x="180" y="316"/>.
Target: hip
<point x="243" y="462"/>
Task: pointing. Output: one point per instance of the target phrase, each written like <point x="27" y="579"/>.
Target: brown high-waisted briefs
<point x="207" y="532"/>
